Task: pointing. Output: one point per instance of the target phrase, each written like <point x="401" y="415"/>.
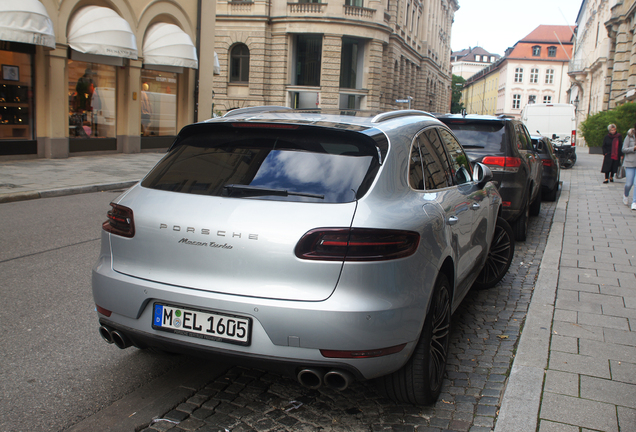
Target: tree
<point x="594" y="128"/>
<point x="458" y="84"/>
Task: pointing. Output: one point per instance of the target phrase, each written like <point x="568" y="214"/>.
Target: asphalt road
<point x="55" y="369"/>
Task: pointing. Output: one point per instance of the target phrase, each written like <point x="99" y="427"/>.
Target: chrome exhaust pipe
<point x="120" y="340"/>
<point x="311" y="377"/>
<point x="338" y="379"/>
<point x="104" y="332"/>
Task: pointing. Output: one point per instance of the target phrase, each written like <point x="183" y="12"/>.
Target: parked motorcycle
<point x="565" y="151"/>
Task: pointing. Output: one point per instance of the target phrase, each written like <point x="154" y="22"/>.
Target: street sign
<point x="401" y="101"/>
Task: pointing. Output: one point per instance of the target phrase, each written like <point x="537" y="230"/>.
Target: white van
<point x="550" y="120"/>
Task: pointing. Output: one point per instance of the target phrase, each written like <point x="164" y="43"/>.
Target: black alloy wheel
<point x="419" y="381"/>
<point x="502" y="250"/>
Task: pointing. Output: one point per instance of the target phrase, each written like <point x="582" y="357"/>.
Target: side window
<point x="436" y="169"/>
<point x="460" y="167"/>
<point x="525" y="136"/>
<point x="521" y="138"/>
<point x="416" y="174"/>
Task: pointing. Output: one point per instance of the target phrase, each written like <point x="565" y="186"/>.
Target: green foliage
<point x="594" y="128"/>
<point x="458" y="84"/>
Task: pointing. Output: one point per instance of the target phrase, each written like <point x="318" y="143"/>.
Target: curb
<point x="521" y="401"/>
<point x="51" y="193"/>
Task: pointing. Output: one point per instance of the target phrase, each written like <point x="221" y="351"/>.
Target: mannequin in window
<point x="146" y="110"/>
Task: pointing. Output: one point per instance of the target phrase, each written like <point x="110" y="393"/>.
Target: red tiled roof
<point x="545" y="36"/>
<point x="550" y="34"/>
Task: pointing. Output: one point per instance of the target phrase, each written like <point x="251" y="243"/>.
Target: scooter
<point x="564" y="151"/>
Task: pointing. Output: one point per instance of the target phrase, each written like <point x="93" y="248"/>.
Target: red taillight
<point x="120" y="221"/>
<point x="547" y="162"/>
<point x="362" y="353"/>
<point x="573" y="138"/>
<point x="356" y="244"/>
<point x="502" y="163"/>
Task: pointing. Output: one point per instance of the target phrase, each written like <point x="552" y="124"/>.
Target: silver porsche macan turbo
<point x="330" y="246"/>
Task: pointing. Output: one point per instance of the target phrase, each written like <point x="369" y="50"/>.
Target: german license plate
<point x="202" y="324"/>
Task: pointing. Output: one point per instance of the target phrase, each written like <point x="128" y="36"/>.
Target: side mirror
<point x="539" y="146"/>
<point x="554" y="136"/>
<point x="481" y="174"/>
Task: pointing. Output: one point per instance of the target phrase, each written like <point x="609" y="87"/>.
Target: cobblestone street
<point x="485" y="333"/>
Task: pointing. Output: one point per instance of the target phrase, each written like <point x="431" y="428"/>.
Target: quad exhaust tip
<point x="120" y="340"/>
<point x="314" y="378"/>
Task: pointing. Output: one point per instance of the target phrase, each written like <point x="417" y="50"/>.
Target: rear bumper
<point x="513" y="196"/>
<point x="286" y="335"/>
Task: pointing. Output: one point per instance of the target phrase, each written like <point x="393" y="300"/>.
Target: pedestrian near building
<point x="629" y="163"/>
<point x="612" y="145"/>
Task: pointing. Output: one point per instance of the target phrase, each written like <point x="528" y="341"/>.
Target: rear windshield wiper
<point x="246" y="190"/>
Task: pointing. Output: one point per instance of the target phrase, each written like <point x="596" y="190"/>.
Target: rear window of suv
<point x="284" y="162"/>
<point x="482" y="137"/>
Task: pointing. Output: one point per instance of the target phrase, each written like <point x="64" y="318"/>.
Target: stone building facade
<point x="588" y="69"/>
<point x="86" y="76"/>
<point x="620" y="85"/>
<point x="349" y="54"/>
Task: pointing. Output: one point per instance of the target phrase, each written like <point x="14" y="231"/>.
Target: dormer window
<point x="552" y="51"/>
<point x="477" y="57"/>
<point x="536" y="51"/>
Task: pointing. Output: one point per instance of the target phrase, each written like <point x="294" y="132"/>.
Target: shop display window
<point x="92" y="97"/>
<point x="16" y="96"/>
<point x="158" y="103"/>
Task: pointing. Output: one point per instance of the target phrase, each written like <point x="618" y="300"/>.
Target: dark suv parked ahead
<point x="504" y="145"/>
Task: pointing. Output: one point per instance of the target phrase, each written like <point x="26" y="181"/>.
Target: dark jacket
<point x="608" y="164"/>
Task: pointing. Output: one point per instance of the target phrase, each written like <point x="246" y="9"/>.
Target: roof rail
<point x="255" y="109"/>
<point x="399" y="113"/>
<point x="504" y="116"/>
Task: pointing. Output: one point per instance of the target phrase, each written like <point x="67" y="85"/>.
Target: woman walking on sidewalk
<point x="629" y="163"/>
<point x="612" y="144"/>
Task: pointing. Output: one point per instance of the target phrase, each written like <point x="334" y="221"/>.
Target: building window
<point x="308" y="1"/>
<point x="92" y="90"/>
<point x="532" y="99"/>
<point x="534" y="76"/>
<point x="158" y="103"/>
<point x="549" y="76"/>
<point x="240" y="64"/>
<point x="406" y="17"/>
<point x="547" y="99"/>
<point x="16" y="96"/>
<point x="552" y="51"/>
<point x="516" y="101"/>
<point x="351" y="63"/>
<point x="308" y="59"/>
<point x="518" y="75"/>
<point x="477" y="58"/>
<point x="358" y="3"/>
<point x="536" y="51"/>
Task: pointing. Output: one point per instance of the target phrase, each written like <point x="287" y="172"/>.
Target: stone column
<point x="330" y="71"/>
<point x="52" y="106"/>
<point x="129" y="108"/>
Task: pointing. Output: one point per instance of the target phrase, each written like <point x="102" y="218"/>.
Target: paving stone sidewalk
<point x="575" y="368"/>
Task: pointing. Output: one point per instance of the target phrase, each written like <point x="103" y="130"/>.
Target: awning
<point x="26" y="21"/>
<point x="101" y="31"/>
<point x="166" y="44"/>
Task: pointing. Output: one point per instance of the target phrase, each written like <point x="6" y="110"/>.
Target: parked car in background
<point x="551" y="169"/>
<point x="504" y="145"/>
<point x="329" y="247"/>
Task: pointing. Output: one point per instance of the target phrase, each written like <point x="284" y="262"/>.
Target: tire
<point x="568" y="162"/>
<point x="520" y="226"/>
<point x="502" y="250"/>
<point x="552" y="195"/>
<point x="535" y="206"/>
<point x="419" y="381"/>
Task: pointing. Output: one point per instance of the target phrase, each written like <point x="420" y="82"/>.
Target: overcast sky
<point x="496" y="25"/>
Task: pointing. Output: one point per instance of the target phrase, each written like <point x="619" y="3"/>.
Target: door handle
<point x="453" y="220"/>
<point x="475" y="206"/>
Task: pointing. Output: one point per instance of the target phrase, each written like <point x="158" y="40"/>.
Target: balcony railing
<point x="241" y="6"/>
<point x="577" y="65"/>
<point x="358" y="11"/>
<point x="305" y="8"/>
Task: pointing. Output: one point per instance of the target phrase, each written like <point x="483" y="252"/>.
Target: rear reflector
<point x="362" y="353"/>
<point x="356" y="244"/>
<point x="547" y="162"/>
<point x="120" y="221"/>
<point x="502" y="163"/>
<point x="103" y="311"/>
